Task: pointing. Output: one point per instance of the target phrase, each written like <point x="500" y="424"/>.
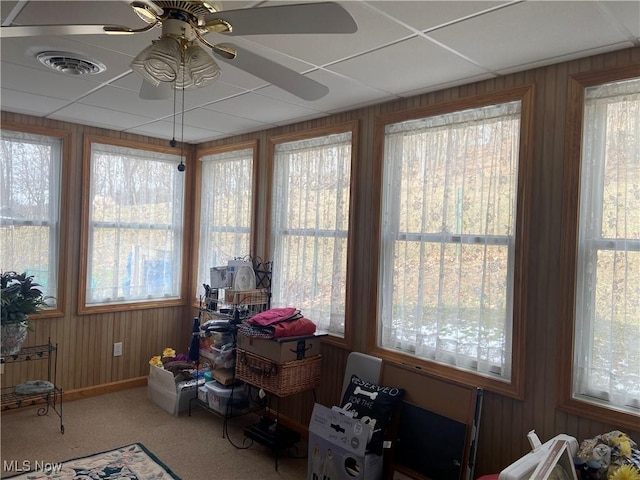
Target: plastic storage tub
<point x="220" y="399"/>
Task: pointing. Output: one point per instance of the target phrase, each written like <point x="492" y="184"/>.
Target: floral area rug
<point x="132" y="462"/>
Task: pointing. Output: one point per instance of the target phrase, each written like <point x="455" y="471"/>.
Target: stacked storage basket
<point x="275" y="376"/>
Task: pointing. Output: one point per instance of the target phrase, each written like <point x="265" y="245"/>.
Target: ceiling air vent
<point x="70" y="63"/>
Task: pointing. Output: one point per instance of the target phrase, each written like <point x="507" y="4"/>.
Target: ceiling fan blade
<point x="325" y="17"/>
<point x="149" y="91"/>
<point x="43" y="30"/>
<point x="279" y="75"/>
<point x="225" y="51"/>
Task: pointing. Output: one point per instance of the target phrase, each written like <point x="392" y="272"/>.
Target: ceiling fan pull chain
<point x="173" y="137"/>
<point x="182" y="166"/>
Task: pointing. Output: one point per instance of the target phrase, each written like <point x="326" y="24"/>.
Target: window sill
<point x="513" y="389"/>
<point x="119" y="307"/>
<point x="615" y="418"/>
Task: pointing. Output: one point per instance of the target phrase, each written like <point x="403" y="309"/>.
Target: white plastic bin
<point x="202" y="394"/>
<point x="218" y="397"/>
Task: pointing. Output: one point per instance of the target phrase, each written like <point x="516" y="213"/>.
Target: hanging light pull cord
<point x="182" y="166"/>
<point x="173" y="138"/>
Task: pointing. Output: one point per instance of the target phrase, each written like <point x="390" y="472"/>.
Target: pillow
<point x="372" y="404"/>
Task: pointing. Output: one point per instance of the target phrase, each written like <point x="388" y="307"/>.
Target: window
<point x="30" y="216"/>
<point x="606" y="363"/>
<point x="448" y="247"/>
<point x="310" y="224"/>
<point x="225" y="209"/>
<point x="135" y="225"/>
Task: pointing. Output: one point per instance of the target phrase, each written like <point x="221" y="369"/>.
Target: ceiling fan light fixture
<point x="160" y="61"/>
<point x="200" y="69"/>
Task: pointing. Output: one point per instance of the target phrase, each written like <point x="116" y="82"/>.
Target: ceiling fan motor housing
<point x="196" y="9"/>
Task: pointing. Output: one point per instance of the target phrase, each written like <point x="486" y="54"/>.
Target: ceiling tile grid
<point x="401" y="48"/>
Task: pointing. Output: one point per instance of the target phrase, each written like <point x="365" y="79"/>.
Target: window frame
<point x="341" y="128"/>
<point x="203" y="152"/>
<point x="62" y="254"/>
<point x="577" y="84"/>
<point x="83" y="308"/>
<point x="515" y="387"/>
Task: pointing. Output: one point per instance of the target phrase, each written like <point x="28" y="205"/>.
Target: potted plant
<point x="21" y="297"/>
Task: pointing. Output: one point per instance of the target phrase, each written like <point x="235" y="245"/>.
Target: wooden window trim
<point x="568" y="263"/>
<point x="64" y="257"/>
<point x="197" y="199"/>
<point x="353" y="128"/>
<point x="83" y="308"/>
<point x="514" y="388"/>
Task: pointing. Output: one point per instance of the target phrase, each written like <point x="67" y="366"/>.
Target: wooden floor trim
<point x="103" y="389"/>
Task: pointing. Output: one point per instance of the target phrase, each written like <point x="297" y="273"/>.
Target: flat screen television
<point x="525" y="466"/>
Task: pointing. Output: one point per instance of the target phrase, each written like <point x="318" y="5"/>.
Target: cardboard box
<point x="246" y="297"/>
<point x="172" y="397"/>
<point x="224" y="376"/>
<point x="283" y="349"/>
<point x="337" y="445"/>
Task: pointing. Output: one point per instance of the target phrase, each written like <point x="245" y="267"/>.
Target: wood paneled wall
<point x="86" y="341"/>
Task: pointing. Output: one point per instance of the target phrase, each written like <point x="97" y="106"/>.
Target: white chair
<point x="366" y="367"/>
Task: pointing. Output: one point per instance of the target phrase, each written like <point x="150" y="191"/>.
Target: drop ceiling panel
<point x="33" y="80"/>
<point x="164" y="129"/>
<point x="122" y="100"/>
<point x="29" y="103"/>
<point x="6" y="7"/>
<point x="99" y="117"/>
<point x="505" y="38"/>
<point x="430" y="14"/>
<point x="406" y="66"/>
<point x="259" y="108"/>
<point x="626" y="14"/>
<point x="127" y="45"/>
<point x="221" y="122"/>
<point x="452" y="83"/>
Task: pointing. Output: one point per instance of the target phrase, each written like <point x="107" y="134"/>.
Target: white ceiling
<point x="401" y="49"/>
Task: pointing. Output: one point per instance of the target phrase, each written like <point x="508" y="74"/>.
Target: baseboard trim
<point x="80" y="393"/>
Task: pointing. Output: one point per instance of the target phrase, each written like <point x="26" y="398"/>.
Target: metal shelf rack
<point x="50" y="400"/>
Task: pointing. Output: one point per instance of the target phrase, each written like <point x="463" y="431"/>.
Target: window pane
<point x="30" y="215"/>
<point x="310" y="220"/>
<point x="448" y="238"/>
<point x="607" y="357"/>
<point x="135" y="225"/>
<point x="225" y="210"/>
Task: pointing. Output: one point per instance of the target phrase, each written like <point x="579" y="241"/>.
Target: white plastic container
<point x="202" y="394"/>
<point x="218" y="397"/>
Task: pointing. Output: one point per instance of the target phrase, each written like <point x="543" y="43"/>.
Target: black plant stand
<point x="51" y="399"/>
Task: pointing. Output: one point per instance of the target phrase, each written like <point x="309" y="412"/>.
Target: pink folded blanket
<point x="273" y="315"/>
<point x="294" y="328"/>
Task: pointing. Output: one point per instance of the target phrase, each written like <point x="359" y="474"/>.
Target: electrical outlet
<point x="117" y="349"/>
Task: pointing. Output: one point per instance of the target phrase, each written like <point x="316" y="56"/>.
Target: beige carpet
<point x="192" y="447"/>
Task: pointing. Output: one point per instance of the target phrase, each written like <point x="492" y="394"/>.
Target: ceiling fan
<point x="178" y="57"/>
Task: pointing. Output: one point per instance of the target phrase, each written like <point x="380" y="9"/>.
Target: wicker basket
<point x="281" y="379"/>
